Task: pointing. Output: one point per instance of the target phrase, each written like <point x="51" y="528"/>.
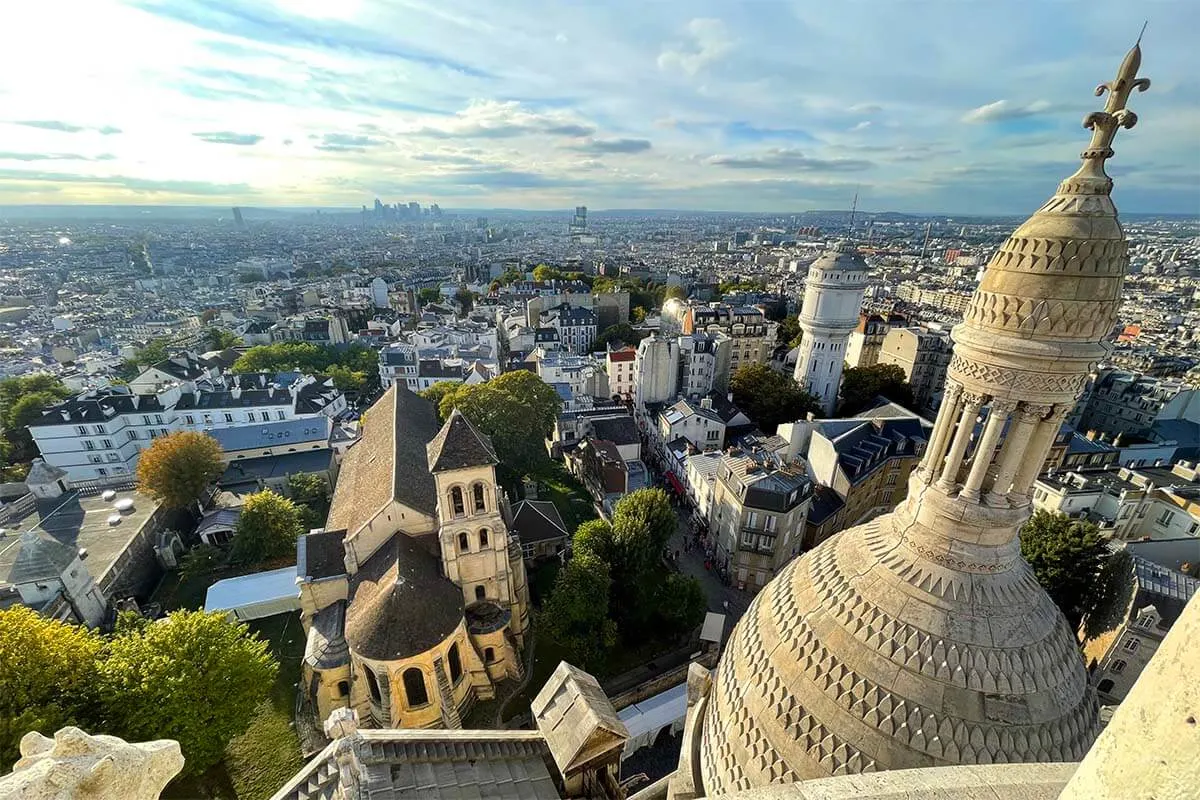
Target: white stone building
<point x="832" y="300"/>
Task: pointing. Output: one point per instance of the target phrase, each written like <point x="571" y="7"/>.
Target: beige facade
<point x="924" y="355"/>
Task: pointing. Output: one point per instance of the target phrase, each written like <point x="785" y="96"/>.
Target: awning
<point x="675" y="484"/>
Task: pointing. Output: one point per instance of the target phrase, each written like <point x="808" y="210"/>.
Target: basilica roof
<point x="400" y="603"/>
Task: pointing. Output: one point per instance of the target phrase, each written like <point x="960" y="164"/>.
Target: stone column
<point x="966" y="423"/>
<point x="986" y="448"/>
<point x="942" y="430"/>
<point x="1035" y="454"/>
<point x="1025" y="421"/>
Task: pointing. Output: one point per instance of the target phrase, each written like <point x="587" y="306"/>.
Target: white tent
<point x="645" y="720"/>
<point x="262" y="594"/>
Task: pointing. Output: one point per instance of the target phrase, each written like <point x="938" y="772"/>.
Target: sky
<point x="918" y="106"/>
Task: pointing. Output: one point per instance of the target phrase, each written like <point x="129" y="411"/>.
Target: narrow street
<point x="722" y="599"/>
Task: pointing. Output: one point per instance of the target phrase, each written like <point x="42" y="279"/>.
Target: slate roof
<point x="267" y="435"/>
<point x="537" y="521"/>
<point x="219" y="518"/>
<point x="326" y="645"/>
<point x="433" y="765"/>
<point x="400" y="603"/>
<point x="576" y="717"/>
<point x="42" y="557"/>
<point x="321" y="555"/>
<point x="618" y="430"/>
<point x="387" y="461"/>
<point x="459" y="444"/>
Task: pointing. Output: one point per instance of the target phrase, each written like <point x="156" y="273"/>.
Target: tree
<point x="430" y="294"/>
<point x="676" y="292"/>
<point x="861" y="385"/>
<point x="620" y="334"/>
<point x="177" y="467"/>
<point x="311" y="493"/>
<point x="346" y="379"/>
<point x="679" y="604"/>
<point x="466" y="299"/>
<point x="221" y="339"/>
<point x="789" y="332"/>
<point x="46" y="676"/>
<point x="201" y="560"/>
<point x="22" y="401"/>
<point x="1067" y="556"/>
<point x="545" y="273"/>
<point x="208" y="315"/>
<point x="517" y="410"/>
<point x="437" y="392"/>
<point x="576" y="613"/>
<point x="594" y="537"/>
<point x="770" y="398"/>
<point x="156" y="350"/>
<point x="193" y="677"/>
<point x="268" y="528"/>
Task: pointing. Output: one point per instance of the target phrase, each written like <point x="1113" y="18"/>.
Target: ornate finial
<point x="1104" y="124"/>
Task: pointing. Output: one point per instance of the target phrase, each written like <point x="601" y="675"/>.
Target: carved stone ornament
<point x="76" y="766"/>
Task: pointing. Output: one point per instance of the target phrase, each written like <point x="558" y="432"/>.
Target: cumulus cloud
<point x="54" y="157"/>
<point x="494" y="119"/>
<point x="600" y="146"/>
<point x="228" y="137"/>
<point x="862" y="126"/>
<point x="785" y="158"/>
<point x="348" y="142"/>
<point x="1002" y="110"/>
<point x="67" y="127"/>
<point x="708" y="41"/>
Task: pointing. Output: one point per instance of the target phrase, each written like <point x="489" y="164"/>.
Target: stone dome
<point x="880" y="650"/>
<point x="922" y="639"/>
<point x="841" y="255"/>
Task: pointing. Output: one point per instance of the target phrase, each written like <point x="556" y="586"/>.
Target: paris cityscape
<point x="403" y="400"/>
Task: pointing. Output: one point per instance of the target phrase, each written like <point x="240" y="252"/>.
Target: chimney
<point x="706" y="403"/>
<point x="1091" y="435"/>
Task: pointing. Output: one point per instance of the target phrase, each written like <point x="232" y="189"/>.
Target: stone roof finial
<point x="1090" y="178"/>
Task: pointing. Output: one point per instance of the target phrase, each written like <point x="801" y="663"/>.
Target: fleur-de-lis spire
<point x="1105" y="124"/>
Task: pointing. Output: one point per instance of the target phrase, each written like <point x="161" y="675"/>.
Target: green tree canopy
<point x="517" y="410"/>
<point x="770" y="398"/>
<point x="268" y="528"/>
<point x="208" y="315"/>
<point x="22" y="400"/>
<point x="221" y="339"/>
<point x="466" y="299"/>
<point x="620" y="334"/>
<point x="429" y="294"/>
<point x="679" y="604"/>
<point x="156" y="350"/>
<point x="438" y="391"/>
<point x="676" y="292"/>
<point x="311" y="493"/>
<point x="176" y="468"/>
<point x="861" y="385"/>
<point x="47" y="671"/>
<point x="789" y="332"/>
<point x="542" y="272"/>
<point x="576" y="613"/>
<point x="354" y="367"/>
<point x="1068" y="557"/>
<point x="193" y="677"/>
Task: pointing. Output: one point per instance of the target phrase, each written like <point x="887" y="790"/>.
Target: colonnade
<point x="1031" y="430"/>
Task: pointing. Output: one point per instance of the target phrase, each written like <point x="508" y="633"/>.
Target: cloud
<point x="133" y="184"/>
<point x="67" y="127"/>
<point x="229" y="137"/>
<point x="600" y="146"/>
<point x="54" y="157"/>
<point x="492" y="119"/>
<point x="784" y="158"/>
<point x="865" y="108"/>
<point x="261" y="24"/>
<point x="348" y="142"/>
<point x="708" y="42"/>
<point x="862" y="126"/>
<point x="1004" y="110"/>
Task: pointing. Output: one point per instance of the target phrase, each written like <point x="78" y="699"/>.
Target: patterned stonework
<point x="922" y="639"/>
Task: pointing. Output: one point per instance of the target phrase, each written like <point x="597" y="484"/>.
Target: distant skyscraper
<point x="237" y="217"/>
<point x="832" y="299"/>
<point x="579" y="221"/>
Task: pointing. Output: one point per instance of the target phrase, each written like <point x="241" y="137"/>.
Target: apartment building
<point x="924" y="355"/>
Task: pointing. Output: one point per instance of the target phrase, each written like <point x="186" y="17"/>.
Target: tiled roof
<point x="537" y="520"/>
<point x="321" y="555"/>
<point x="400" y="603"/>
<point x="459" y="444"/>
<point x="42" y="557"/>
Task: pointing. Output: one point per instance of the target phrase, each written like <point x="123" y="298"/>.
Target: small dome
<point x="842" y="255"/>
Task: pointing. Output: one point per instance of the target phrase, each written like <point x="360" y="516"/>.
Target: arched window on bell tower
<point x="458" y="506"/>
<point x="480" y="502"/>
